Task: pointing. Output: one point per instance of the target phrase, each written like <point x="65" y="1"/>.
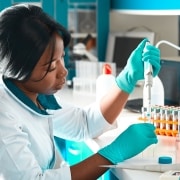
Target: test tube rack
<point x="166" y="119"/>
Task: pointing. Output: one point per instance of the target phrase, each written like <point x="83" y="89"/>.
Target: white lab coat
<point x="27" y="148"/>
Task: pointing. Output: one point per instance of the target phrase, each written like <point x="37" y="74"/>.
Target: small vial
<point x="144" y="113"/>
<point x="156" y="117"/>
<point x="168" y="119"/>
<point x="175" y="119"/>
<point x="162" y="118"/>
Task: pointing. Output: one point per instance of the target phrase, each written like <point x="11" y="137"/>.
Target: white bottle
<point x="104" y="82"/>
<point x="157" y="92"/>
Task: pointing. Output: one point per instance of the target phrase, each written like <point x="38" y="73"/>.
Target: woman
<point x="32" y="61"/>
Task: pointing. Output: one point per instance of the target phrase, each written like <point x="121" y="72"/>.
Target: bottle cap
<point x="107" y="69"/>
<point x="165" y="160"/>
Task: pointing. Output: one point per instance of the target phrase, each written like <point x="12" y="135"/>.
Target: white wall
<point x="165" y="28"/>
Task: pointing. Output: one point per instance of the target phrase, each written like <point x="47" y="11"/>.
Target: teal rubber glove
<point x="131" y="142"/>
<point x="134" y="69"/>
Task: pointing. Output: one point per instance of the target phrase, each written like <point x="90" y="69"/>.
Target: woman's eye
<point x="52" y="67"/>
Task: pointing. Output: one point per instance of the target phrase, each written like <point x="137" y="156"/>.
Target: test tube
<point x="144" y="113"/>
<point x="178" y="121"/>
<point x="175" y="119"/>
<point x="152" y="114"/>
<point x="168" y="119"/>
<point x="156" y="116"/>
<point x="162" y="118"/>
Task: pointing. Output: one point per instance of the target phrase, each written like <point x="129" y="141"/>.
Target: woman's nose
<point x="62" y="71"/>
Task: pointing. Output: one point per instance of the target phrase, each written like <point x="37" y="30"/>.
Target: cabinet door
<point x="102" y="9"/>
<point x="4" y="4"/>
<point x="47" y="5"/>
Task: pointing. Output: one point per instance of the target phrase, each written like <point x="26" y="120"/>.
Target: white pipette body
<point x="148" y="82"/>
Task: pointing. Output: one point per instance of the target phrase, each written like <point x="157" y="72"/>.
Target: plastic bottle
<point x="157" y="93"/>
<point x="104" y="82"/>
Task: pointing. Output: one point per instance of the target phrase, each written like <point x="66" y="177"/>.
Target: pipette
<point x="148" y="77"/>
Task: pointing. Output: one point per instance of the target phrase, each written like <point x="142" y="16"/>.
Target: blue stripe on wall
<point x="48" y="7"/>
<point x="146" y="5"/>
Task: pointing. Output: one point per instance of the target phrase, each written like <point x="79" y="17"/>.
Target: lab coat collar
<point x="47" y="101"/>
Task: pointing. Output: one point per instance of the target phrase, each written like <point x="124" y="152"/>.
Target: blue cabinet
<point x="101" y="9"/>
<point x="4" y="4"/>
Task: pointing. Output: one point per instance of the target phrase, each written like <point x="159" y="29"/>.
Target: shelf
<point x="82" y="35"/>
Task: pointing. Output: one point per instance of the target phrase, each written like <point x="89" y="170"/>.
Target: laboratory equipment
<point x="104" y="81"/>
<point x="150" y="167"/>
<point x="169" y="75"/>
<point x="144" y="165"/>
<point x="166" y="160"/>
<point x="86" y="74"/>
<point x="165" y="119"/>
<point x="157" y="92"/>
<point x="147" y="97"/>
<point x="148" y="81"/>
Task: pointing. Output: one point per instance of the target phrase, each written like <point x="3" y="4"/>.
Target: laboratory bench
<point x="165" y="146"/>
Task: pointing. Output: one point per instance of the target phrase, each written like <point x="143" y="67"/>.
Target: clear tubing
<point x="168" y="43"/>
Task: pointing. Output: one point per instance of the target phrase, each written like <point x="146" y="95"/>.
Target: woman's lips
<point x="61" y="84"/>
